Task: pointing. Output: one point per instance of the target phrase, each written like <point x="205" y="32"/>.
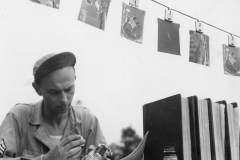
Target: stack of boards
<point x="198" y="129"/>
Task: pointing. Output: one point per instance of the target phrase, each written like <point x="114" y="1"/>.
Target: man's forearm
<point x="22" y="158"/>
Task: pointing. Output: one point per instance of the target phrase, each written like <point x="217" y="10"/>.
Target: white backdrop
<point x="115" y="76"/>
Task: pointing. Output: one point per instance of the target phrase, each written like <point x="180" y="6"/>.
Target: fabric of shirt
<point x="23" y="135"/>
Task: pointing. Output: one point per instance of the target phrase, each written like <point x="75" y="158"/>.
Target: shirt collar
<point x="41" y="132"/>
<point x="36" y="118"/>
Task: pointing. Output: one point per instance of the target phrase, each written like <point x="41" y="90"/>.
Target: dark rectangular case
<point x="163" y="120"/>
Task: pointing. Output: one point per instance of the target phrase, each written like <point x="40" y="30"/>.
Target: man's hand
<point x="68" y="149"/>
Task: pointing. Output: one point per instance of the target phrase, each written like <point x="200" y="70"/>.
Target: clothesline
<point x="196" y="19"/>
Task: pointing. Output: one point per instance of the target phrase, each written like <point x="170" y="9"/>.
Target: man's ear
<point x="37" y="88"/>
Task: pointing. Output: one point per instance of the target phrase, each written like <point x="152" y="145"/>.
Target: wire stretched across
<point x="197" y="19"/>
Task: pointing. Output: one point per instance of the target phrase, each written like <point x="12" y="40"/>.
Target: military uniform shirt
<point x="23" y="135"/>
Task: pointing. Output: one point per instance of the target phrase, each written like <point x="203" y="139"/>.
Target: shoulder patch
<point x="3" y="148"/>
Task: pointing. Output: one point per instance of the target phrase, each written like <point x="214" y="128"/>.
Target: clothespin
<point x="168" y="15"/>
<point x="199" y="26"/>
<point x="134" y="3"/>
<point x="231" y="40"/>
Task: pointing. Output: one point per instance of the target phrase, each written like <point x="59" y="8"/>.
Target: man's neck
<point x="53" y="119"/>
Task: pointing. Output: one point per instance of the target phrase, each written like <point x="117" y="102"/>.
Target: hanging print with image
<point x="132" y="23"/>
<point x="231" y="60"/>
<point x="94" y="12"/>
<point x="49" y="3"/>
<point x="199" y="48"/>
<point x="168" y="37"/>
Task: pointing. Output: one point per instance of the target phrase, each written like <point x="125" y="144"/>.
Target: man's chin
<point x="62" y="109"/>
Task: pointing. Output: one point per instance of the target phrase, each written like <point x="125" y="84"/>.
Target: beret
<point x="52" y="62"/>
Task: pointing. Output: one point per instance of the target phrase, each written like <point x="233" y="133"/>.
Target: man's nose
<point x="63" y="97"/>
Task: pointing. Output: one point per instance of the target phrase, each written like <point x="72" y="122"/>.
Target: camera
<point x="98" y="153"/>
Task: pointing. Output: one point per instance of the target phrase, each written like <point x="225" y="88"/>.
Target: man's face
<point x="58" y="89"/>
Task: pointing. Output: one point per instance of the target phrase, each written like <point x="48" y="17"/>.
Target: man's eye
<point x="68" y="90"/>
<point x="53" y="92"/>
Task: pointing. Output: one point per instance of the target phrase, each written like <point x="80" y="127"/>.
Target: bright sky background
<point x="115" y="77"/>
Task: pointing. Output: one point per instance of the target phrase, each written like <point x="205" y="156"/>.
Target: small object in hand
<point x="101" y="150"/>
<point x="75" y="131"/>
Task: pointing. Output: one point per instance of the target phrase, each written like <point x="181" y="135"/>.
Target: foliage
<point x="129" y="141"/>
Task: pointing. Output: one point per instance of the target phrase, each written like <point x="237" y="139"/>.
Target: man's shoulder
<point x="22" y="109"/>
<point x="78" y="107"/>
<point x="83" y="112"/>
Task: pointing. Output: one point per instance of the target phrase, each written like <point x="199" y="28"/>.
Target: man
<point x="51" y="129"/>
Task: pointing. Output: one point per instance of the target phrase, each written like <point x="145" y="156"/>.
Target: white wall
<point x="115" y="76"/>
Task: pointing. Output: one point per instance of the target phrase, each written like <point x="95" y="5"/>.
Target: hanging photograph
<point x="49" y="3"/>
<point x="132" y="23"/>
<point x="168" y="37"/>
<point x="134" y="2"/>
<point x="199" y="48"/>
<point x="94" y="12"/>
<point x="231" y="60"/>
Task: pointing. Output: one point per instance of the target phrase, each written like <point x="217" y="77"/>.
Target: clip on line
<point x="196" y="19"/>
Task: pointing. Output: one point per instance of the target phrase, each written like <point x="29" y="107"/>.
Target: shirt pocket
<point x="27" y="153"/>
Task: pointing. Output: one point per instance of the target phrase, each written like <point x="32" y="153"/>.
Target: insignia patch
<point x="3" y="148"/>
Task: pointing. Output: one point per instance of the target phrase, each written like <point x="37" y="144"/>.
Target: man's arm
<point x="20" y="158"/>
<point x="10" y="138"/>
<point x="95" y="136"/>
